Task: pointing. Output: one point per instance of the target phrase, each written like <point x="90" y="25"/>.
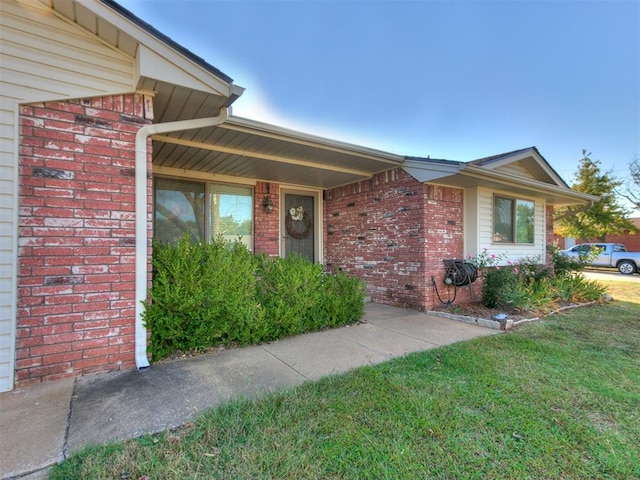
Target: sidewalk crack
<point x="290" y="366"/>
<point x="65" y="442"/>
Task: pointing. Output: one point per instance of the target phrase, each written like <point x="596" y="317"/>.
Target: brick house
<point x="629" y="239"/>
<point x="112" y="133"/>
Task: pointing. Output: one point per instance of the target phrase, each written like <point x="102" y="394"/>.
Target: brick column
<point x="267" y="224"/>
<point x="374" y="229"/>
<point x="76" y="279"/>
<point x="394" y="232"/>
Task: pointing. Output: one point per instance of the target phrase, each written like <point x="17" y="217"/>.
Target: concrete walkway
<point x="43" y="424"/>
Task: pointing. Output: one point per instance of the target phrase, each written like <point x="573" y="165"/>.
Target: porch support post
<point x="141" y="155"/>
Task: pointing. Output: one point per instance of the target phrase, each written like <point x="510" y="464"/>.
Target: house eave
<point x="186" y="86"/>
<point x="530" y="157"/>
<point x="559" y="196"/>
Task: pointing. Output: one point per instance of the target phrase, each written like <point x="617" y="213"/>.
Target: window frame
<point x="513" y="220"/>
<point x="208" y="233"/>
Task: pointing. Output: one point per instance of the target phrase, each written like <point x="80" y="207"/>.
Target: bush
<point x="207" y="294"/>
<point x="499" y="284"/>
<point x="564" y="265"/>
<point x="344" y="300"/>
<point x="299" y="296"/>
<point x="576" y="288"/>
<point x="527" y="285"/>
<point x="289" y="291"/>
<point x="201" y="293"/>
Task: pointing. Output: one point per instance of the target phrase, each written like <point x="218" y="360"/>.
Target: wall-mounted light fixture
<point x="267" y="204"/>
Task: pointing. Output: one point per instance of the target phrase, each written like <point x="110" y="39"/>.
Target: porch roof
<point x="246" y="148"/>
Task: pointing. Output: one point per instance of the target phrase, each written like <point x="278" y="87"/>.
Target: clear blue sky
<point x="448" y="79"/>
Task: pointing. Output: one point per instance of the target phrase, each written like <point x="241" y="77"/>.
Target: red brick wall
<point x="628" y="239"/>
<point x="444" y="239"/>
<point x="393" y="232"/>
<point x="549" y="235"/>
<point x="76" y="279"/>
<point x="267" y="225"/>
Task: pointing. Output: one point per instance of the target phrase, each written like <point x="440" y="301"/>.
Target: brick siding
<point x="631" y="240"/>
<point x="76" y="279"/>
<point x="394" y="233"/>
<point x="267" y="224"/>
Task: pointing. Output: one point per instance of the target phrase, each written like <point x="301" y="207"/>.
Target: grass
<point x="554" y="399"/>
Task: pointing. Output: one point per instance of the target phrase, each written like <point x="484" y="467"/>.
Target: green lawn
<point x="553" y="399"/>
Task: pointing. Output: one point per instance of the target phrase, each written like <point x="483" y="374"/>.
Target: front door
<point x="299" y="234"/>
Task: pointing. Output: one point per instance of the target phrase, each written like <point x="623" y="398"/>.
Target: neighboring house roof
<point x="523" y="172"/>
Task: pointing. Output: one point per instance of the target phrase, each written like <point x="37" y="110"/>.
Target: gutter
<point x="507" y="179"/>
<point x="142" y="279"/>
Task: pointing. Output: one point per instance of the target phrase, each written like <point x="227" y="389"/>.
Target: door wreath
<point x="294" y="216"/>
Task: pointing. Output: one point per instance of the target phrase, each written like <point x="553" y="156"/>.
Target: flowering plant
<point x="297" y="213"/>
<point x="485" y="259"/>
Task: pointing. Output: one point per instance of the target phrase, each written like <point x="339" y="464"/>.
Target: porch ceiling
<point x="245" y="148"/>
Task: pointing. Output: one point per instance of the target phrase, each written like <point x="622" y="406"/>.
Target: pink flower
<point x="493" y="255"/>
<point x="515" y="270"/>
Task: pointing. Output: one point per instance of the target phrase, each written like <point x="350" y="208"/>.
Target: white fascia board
<point x="273" y="131"/>
<point x="534" y="185"/>
<point x="160" y="48"/>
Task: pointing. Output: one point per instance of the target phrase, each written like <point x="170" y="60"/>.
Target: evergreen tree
<point x="605" y="217"/>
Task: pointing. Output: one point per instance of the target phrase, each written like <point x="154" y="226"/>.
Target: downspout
<point x="142" y="362"/>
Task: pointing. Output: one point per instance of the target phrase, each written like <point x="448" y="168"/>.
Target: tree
<point x="631" y="190"/>
<point x="605" y="217"/>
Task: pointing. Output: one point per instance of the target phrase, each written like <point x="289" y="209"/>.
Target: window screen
<point x="179" y="207"/>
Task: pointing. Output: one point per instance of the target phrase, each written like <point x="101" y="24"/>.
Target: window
<point x="513" y="220"/>
<point x="206" y="210"/>
<point x="232" y="212"/>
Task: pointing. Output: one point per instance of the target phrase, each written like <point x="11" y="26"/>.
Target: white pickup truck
<point x="612" y="255"/>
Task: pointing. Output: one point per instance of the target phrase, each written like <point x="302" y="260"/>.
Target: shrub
<point x="299" y="296"/>
<point x="207" y="294"/>
<point x="532" y="294"/>
<point x="289" y="290"/>
<point x="564" y="265"/>
<point x="343" y="301"/>
<point x="576" y="288"/>
<point x="499" y="284"/>
<point x="526" y="285"/>
<point x="201" y="293"/>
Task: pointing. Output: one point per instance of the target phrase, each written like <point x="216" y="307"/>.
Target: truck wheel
<point x="627" y="267"/>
